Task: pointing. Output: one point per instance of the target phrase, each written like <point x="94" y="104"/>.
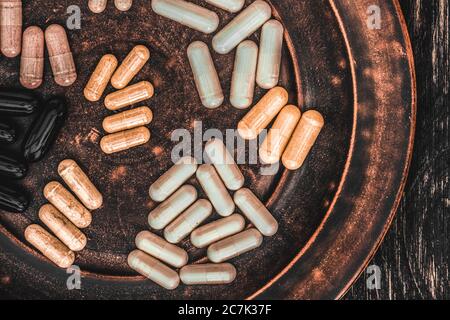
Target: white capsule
<point x="247" y="22"/>
<point x="188" y="221"/>
<point x="167" y="211"/>
<point x="153" y="269"/>
<point x="228" y="5"/>
<point x="188" y="14"/>
<point x="205" y="75"/>
<point x="215" y="190"/>
<point x="234" y="246"/>
<point x="225" y="165"/>
<point x="208" y="274"/>
<point x="217" y="230"/>
<point x="174" y="178"/>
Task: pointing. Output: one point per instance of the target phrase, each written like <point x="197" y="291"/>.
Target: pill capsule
<point x="60" y="55"/>
<point x="10" y="27"/>
<point x="130" y="95"/>
<point x="208" y="274"/>
<point x="269" y="61"/>
<point x="123" y="5"/>
<point x="8" y="133"/>
<point x="100" y="78"/>
<point x="256" y="212"/>
<point x="13" y="199"/>
<point x="276" y="141"/>
<point x="235" y="245"/>
<point x="80" y="184"/>
<point x="161" y="249"/>
<point x="128" y="120"/>
<point x="205" y="75"/>
<point x="130" y="67"/>
<point x="262" y="114"/>
<point x="303" y="139"/>
<point x="12" y="168"/>
<point x="49" y="246"/>
<point x="217" y="230"/>
<point x="153" y="269"/>
<point x="188" y="14"/>
<point x="228" y="5"/>
<point x="45" y="129"/>
<point x="225" y="165"/>
<point x="125" y="140"/>
<point x="247" y="22"/>
<point x="62" y="228"/>
<point x="67" y="204"/>
<point x="174" y="178"/>
<point x="215" y="190"/>
<point x="32" y="58"/>
<point x="188" y="221"/>
<point x="244" y="74"/>
<point x="17" y="103"/>
<point x="97" y="6"/>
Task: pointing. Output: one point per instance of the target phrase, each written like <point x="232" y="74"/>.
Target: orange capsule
<point x="130" y="95"/>
<point x="97" y="6"/>
<point x="128" y="120"/>
<point x="130" y="67"/>
<point x="11" y="27"/>
<point x="100" y="78"/>
<point x="32" y="58"/>
<point x="61" y="58"/>
<point x="125" y="140"/>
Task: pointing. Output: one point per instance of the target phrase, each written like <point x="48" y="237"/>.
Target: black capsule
<point x="12" y="199"/>
<point x="45" y="129"/>
<point x="7" y="133"/>
<point x="12" y="168"/>
<point x="17" y="103"/>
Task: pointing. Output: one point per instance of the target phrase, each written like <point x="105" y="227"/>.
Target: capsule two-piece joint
<point x="32" y="58"/>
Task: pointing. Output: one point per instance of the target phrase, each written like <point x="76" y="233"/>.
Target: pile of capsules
<point x="181" y="213"/>
<point x="98" y="6"/>
<point x="65" y="215"/>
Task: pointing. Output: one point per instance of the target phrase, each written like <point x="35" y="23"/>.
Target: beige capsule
<point x="208" y="274"/>
<point x="303" y="139"/>
<point x="65" y="230"/>
<point x="153" y="269"/>
<point x="161" y="249"/>
<point x="130" y="67"/>
<point x="80" y="184"/>
<point x="128" y="120"/>
<point x="130" y="95"/>
<point x="49" y="246"/>
<point x="11" y="27"/>
<point x="263" y="113"/>
<point x="61" y="58"/>
<point x="125" y="140"/>
<point x="67" y="204"/>
<point x="97" y="6"/>
<point x="123" y="5"/>
<point x="32" y="58"/>
<point x="100" y="78"/>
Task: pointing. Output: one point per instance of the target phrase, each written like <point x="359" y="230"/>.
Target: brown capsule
<point x="100" y="78"/>
<point x="124" y="140"/>
<point x="303" y="139"/>
<point x="130" y="67"/>
<point x="32" y="58"/>
<point x="97" y="6"/>
<point x="61" y="58"/>
<point x="11" y="27"/>
<point x="49" y="246"/>
<point x="65" y="230"/>
<point x="128" y="120"/>
<point x="123" y="5"/>
<point x="130" y="95"/>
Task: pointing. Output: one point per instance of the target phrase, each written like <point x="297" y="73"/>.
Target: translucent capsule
<point x="174" y="178"/>
<point x="128" y="120"/>
<point x="225" y="165"/>
<point x="256" y="212"/>
<point x="247" y="22"/>
<point x="188" y="221"/>
<point x="215" y="190"/>
<point x="130" y="67"/>
<point x="123" y="5"/>
<point x="130" y="95"/>
<point x="160" y="249"/>
<point x="188" y="14"/>
<point x="167" y="211"/>
<point x="234" y="246"/>
<point x="124" y="140"/>
<point x="269" y="61"/>
<point x="100" y="78"/>
<point x="217" y="230"/>
<point x="276" y="141"/>
<point x="153" y="269"/>
<point x="80" y="184"/>
<point x="67" y="204"/>
<point x="49" y="246"/>
<point x="205" y="75"/>
<point x="97" y="6"/>
<point x="65" y="230"/>
<point x="262" y="114"/>
<point x="61" y="58"/>
<point x="303" y="139"/>
<point x="244" y="74"/>
<point x="32" y="58"/>
<point x="228" y="5"/>
<point x="11" y="27"/>
<point x="208" y="274"/>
